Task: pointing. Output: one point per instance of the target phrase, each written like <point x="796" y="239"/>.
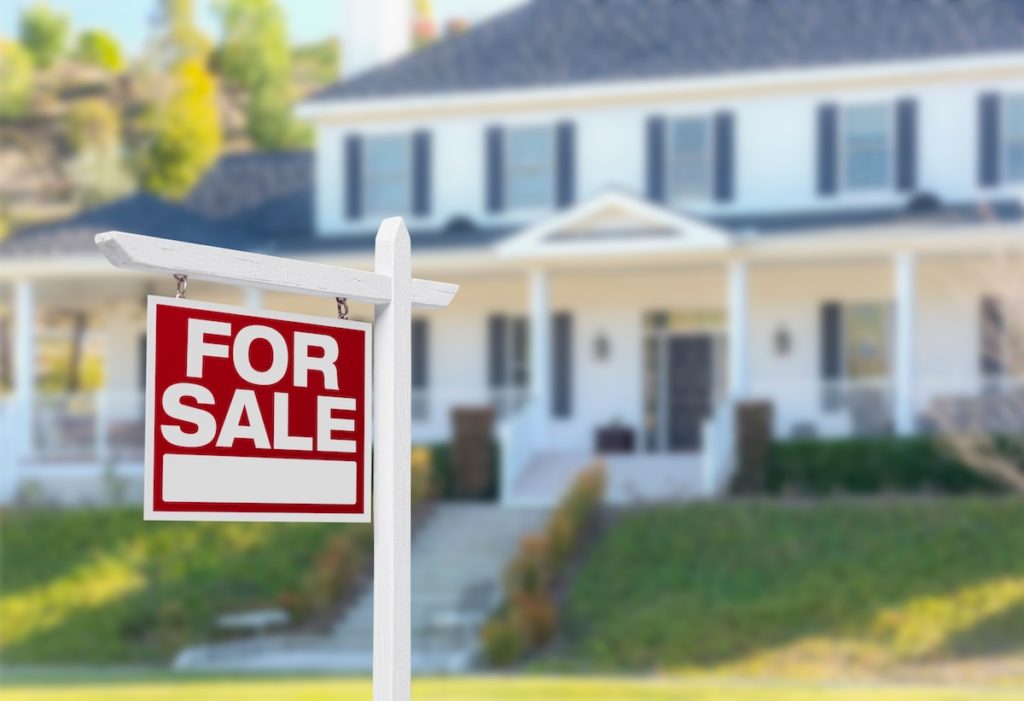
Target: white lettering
<point x="323" y="363"/>
<point x="244" y="402"/>
<point x="282" y="439"/>
<point x="206" y="426"/>
<point x="198" y="348"/>
<point x="327" y="424"/>
<point x="243" y="363"/>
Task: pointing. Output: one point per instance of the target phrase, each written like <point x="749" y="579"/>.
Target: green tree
<point x="15" y="79"/>
<point x="255" y="57"/>
<point x="184" y="133"/>
<point x="44" y="32"/>
<point x="97" y="168"/>
<point x="100" y="49"/>
<point x="92" y="123"/>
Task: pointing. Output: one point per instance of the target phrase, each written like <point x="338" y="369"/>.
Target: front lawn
<point x="923" y="588"/>
<point x="476" y="689"/>
<point x="103" y="586"/>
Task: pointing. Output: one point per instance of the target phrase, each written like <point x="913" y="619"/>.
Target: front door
<point x="689" y="390"/>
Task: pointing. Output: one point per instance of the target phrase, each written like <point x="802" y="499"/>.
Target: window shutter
<point x="656" y="159"/>
<point x="561" y="398"/>
<point x="991" y="334"/>
<point x="828" y="148"/>
<point x="497" y="354"/>
<point x="353" y="176"/>
<point x="906" y="144"/>
<point x="421" y="173"/>
<point x="495" y="165"/>
<point x="831" y="340"/>
<point x="566" y="149"/>
<point x="724" y="156"/>
<point x="988" y="140"/>
<point x="420" y="354"/>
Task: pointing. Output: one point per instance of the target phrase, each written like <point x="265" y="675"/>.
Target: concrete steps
<point x="458" y="560"/>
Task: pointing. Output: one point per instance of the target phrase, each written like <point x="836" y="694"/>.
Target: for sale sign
<point x="255" y="416"/>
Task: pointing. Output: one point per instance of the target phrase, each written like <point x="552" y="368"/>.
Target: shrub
<point x="536" y="618"/>
<point x="422" y="475"/>
<point x="864" y="466"/>
<point x="502" y="642"/>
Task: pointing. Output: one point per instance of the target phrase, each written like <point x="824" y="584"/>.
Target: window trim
<point x="842" y="186"/>
<point x="1004" y="141"/>
<point x="407" y="207"/>
<point x="890" y="339"/>
<point x="709" y="156"/>
<point x="552" y="195"/>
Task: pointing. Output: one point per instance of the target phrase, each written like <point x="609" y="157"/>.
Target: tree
<point x="255" y="57"/>
<point x="97" y="169"/>
<point x="177" y="38"/>
<point x="100" y="49"/>
<point x="92" y="123"/>
<point x="15" y="79"/>
<point x="183" y="133"/>
<point x="44" y="33"/>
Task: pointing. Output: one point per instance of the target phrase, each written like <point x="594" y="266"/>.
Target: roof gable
<point x="558" y="42"/>
<point x="611" y="223"/>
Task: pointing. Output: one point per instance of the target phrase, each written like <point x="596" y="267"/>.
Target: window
<point x="867" y="147"/>
<point x="689" y="159"/>
<point x="508" y="360"/>
<point x="387" y="175"/>
<point x="865" y="340"/>
<point x="1013" y="138"/>
<point x="529" y="167"/>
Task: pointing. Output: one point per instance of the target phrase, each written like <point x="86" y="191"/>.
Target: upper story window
<point x="689" y="159"/>
<point x="388" y="174"/>
<point x="529" y="167"/>
<point x="867" y="147"/>
<point x="1013" y="138"/>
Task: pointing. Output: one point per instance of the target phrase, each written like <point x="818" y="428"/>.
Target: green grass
<point x="873" y="589"/>
<point x="102" y="586"/>
<point x="475" y="689"/>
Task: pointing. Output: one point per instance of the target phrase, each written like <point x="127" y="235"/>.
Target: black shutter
<point x="495" y="166"/>
<point x="561" y="398"/>
<point x="831" y="340"/>
<point x="991" y="335"/>
<point x="566" y="149"/>
<point x="906" y="144"/>
<point x="656" y="159"/>
<point x="421" y="173"/>
<point x="988" y="140"/>
<point x="724" y="156"/>
<point x="828" y="147"/>
<point x="420" y="354"/>
<point x="353" y="176"/>
<point x="497" y="350"/>
<point x="521" y="351"/>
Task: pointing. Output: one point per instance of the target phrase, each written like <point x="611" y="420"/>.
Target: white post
<point x="540" y="354"/>
<point x="21" y="427"/>
<point x="903" y="395"/>
<point x="737" y="342"/>
<point x="253" y="298"/>
<point x="392" y="530"/>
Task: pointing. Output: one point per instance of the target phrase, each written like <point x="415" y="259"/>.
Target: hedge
<point x="870" y="465"/>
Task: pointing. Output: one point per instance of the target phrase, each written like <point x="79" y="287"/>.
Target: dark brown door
<point x="689" y="390"/>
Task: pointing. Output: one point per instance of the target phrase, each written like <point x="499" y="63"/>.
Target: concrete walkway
<point x="458" y="560"/>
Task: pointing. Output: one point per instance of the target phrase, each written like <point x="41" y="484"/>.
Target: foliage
<point x="184" y="135"/>
<point x="862" y="465"/>
<point x="529" y="619"/>
<point x="99" y="48"/>
<point x="443" y="476"/>
<point x="101" y="586"/>
<point x="255" y="57"/>
<point x="179" y="39"/>
<point x="797" y="590"/>
<point x="423" y="486"/>
<point x="92" y="123"/>
<point x="15" y="79"/>
<point x="315" y="65"/>
<point x="44" y="33"/>
<point x="131" y="685"/>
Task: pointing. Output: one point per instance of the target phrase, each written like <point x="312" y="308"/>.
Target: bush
<point x="866" y="466"/>
<point x="422" y="475"/>
<point x="502" y="643"/>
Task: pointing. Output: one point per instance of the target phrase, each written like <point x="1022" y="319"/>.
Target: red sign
<point x="255" y="415"/>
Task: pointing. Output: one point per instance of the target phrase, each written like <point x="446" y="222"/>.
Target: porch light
<point x="783" y="342"/>
<point x="602" y="347"/>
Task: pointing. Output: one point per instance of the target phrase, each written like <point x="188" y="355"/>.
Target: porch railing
<point x="828" y="408"/>
<point x="88" y="427"/>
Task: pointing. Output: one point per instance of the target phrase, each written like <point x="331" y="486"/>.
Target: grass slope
<point x="99" y="586"/>
<point x="802" y="590"/>
<point x="474" y="689"/>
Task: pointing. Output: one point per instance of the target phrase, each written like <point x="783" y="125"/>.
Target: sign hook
<point x="342" y="307"/>
<point x="180" y="284"/>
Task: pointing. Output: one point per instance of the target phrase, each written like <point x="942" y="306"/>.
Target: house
<point x="656" y="209"/>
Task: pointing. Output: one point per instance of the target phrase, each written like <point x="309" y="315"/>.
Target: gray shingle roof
<point x="553" y="42"/>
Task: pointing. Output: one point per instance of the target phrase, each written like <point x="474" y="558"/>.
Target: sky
<point x="308" y="20"/>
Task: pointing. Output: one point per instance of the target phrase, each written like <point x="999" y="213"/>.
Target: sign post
<point x="393" y="292"/>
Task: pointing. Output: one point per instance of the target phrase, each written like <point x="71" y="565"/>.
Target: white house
<point x="655" y="208"/>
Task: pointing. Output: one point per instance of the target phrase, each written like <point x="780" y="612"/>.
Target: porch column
<point x="20" y="423"/>
<point x="540" y="351"/>
<point x="737" y="342"/>
<point x="253" y="298"/>
<point x="903" y="385"/>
